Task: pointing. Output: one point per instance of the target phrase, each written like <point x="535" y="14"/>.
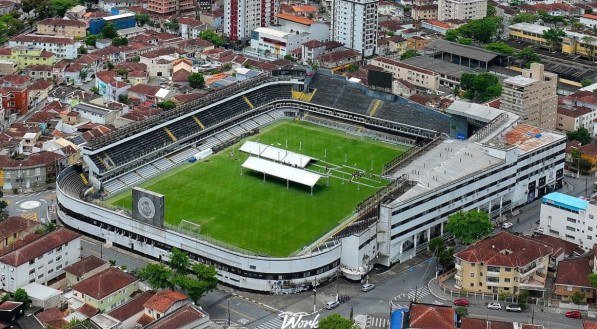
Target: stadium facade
<point x="501" y="166"/>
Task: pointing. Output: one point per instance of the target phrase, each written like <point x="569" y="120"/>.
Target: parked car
<point x="513" y="308"/>
<point x="573" y="314"/>
<point x="461" y="302"/>
<point x="494" y="306"/>
<point x="507" y="225"/>
<point x="569" y="174"/>
<point x="343" y="298"/>
<point x="367" y="287"/>
<point x="331" y="304"/>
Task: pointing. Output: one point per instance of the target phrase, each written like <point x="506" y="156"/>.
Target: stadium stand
<point x="335" y="91"/>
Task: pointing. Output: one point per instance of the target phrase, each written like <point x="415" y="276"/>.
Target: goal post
<point x="190" y="227"/>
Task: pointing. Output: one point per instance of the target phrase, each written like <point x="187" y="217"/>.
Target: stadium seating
<point x="73" y="185"/>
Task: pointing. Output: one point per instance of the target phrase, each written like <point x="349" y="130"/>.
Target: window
<point x="570" y="228"/>
<point x="472" y="275"/>
<point x="472" y="284"/>
<point x="571" y="220"/>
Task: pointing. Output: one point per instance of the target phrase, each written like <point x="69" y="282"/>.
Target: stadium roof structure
<point x="288" y="173"/>
<point x="276" y="154"/>
<point x="461" y="50"/>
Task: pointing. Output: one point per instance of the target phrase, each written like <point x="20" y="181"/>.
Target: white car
<point x="367" y="287"/>
<point x="494" y="306"/>
<point x="513" y="308"/>
<point x="507" y="225"/>
<point x="331" y="304"/>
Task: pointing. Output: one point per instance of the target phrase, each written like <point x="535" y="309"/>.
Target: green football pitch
<point x="266" y="217"/>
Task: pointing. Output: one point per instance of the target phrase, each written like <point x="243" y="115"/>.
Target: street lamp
<point x="21" y="176"/>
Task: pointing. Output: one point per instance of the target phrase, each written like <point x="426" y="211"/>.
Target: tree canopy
<point x="142" y="18"/>
<point x="211" y="36"/>
<point x="59" y="7"/>
<point x="109" y="31"/>
<point x="484" y="86"/>
<point x="500" y="47"/>
<point x="21" y="296"/>
<point x="554" y="37"/>
<point x="167" y="105"/>
<point x="158" y="276"/>
<point x="335" y="321"/>
<point x="527" y="56"/>
<point x="524" y="18"/>
<point x="410" y="53"/>
<point x="593" y="280"/>
<point x="581" y="134"/>
<point x="196" y="80"/>
<point x="481" y="30"/>
<point x="469" y="226"/>
<point x="120" y="41"/>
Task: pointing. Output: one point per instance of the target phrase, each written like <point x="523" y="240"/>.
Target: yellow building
<point x="503" y="263"/>
<point x="573" y="43"/>
<point x="14" y="229"/>
<point x="71" y="28"/>
<point x="25" y="56"/>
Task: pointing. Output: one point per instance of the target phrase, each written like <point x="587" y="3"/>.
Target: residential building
<point x="165" y="8"/>
<point x="461" y="9"/>
<point x="293" y="23"/>
<point x="96" y="113"/>
<point x="532" y="96"/>
<point x="589" y="20"/>
<point x="35" y="172"/>
<point x="241" y="17"/>
<point x="8" y="67"/>
<point x="573" y="43"/>
<point x="188" y="316"/>
<point x="120" y="22"/>
<point x="504" y="263"/>
<point x="14" y="229"/>
<point x="449" y="73"/>
<point x="129" y="315"/>
<point x="63" y="48"/>
<point x="437" y="26"/>
<point x="15" y="99"/>
<point x="25" y="56"/>
<point x="578" y="110"/>
<point x="106" y="290"/>
<point x="84" y="269"/>
<point x="355" y="24"/>
<point x="39" y="72"/>
<point x="275" y="42"/>
<point x="164" y="302"/>
<point x="39" y="259"/>
<point x="424" y="12"/>
<point x="190" y="28"/>
<point x="572" y="277"/>
<point x="110" y="86"/>
<point x="339" y="60"/>
<point x="569" y="218"/>
<point x="70" y="28"/>
<point x="427" y="316"/>
<point x="310" y="50"/>
<point x="409" y="73"/>
<point x="159" y="62"/>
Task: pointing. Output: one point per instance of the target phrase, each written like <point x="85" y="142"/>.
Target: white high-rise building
<point x="461" y="9"/>
<point x="354" y="24"/>
<point x="241" y="17"/>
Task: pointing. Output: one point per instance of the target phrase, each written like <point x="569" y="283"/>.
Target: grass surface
<point x="265" y="216"/>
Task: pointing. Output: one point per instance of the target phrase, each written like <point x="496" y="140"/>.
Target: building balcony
<point x="492" y="284"/>
<point x="492" y="273"/>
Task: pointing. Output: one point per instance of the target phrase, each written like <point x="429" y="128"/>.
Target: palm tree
<point x="590" y="44"/>
<point x="554" y="37"/>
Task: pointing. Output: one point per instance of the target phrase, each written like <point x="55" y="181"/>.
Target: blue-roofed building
<point x="121" y="21"/>
<point x="569" y="218"/>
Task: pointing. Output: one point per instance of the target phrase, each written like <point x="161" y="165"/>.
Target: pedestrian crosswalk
<point x="420" y="293"/>
<point x="271" y="324"/>
<point x="373" y="322"/>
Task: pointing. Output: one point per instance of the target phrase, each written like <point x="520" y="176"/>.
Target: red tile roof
<point x="50" y="316"/>
<point x="179" y="318"/>
<point x="88" y="310"/>
<point x="34" y="160"/>
<point x="131" y="308"/>
<point x="85" y="265"/>
<point x="589" y="324"/>
<point x="28" y="38"/>
<point x="145" y="319"/>
<point x="15" y="224"/>
<point x="505" y="249"/>
<point x="567" y="247"/>
<point x="313" y="44"/>
<point x="470" y="323"/>
<point x="40" y="85"/>
<point x="339" y="55"/>
<point x="394" y="62"/>
<point x="164" y="300"/>
<point x="589" y="149"/>
<point x="423" y="316"/>
<point x="9" y="305"/>
<point x="573" y="272"/>
<point x="62" y="22"/>
<point x="573" y="112"/>
<point x="39" y="247"/>
<point x="144" y="89"/>
<point x="190" y="22"/>
<point x="104" y="283"/>
<point x="296" y="19"/>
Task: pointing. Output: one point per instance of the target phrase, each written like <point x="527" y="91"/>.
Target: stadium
<point x="285" y="179"/>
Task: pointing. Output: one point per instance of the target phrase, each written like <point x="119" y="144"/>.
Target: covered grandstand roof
<point x="461" y="50"/>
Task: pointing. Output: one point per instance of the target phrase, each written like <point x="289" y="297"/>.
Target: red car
<point x="461" y="302"/>
<point x="573" y="314"/>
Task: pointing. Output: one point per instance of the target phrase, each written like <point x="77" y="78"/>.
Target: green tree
<point x="590" y="44"/>
<point x="289" y="57"/>
<point x="484" y="86"/>
<point x="491" y="11"/>
<point x="586" y="82"/>
<point x="523" y="298"/>
<point x="59" y="7"/>
<point x="136" y="59"/>
<point x="527" y="56"/>
<point x="141" y="18"/>
<point x="482" y="30"/>
<point x="123" y="98"/>
<point x="41" y="7"/>
<point x="461" y="311"/>
<point x="194" y="288"/>
<point x="593" y="280"/>
<point x="436" y="245"/>
<point x="554" y="37"/>
<point x="109" y="65"/>
<point x="469" y="226"/>
<point x="452" y="35"/>
<point x="465" y="41"/>
<point x="120" y="41"/>
<point x="109" y="31"/>
<point x="206" y="274"/>
<point x="410" y="53"/>
<point x="353" y="67"/>
<point x="3" y="205"/>
<point x="167" y="105"/>
<point x="196" y="80"/>
<point x="82" y="50"/>
<point x="524" y="18"/>
<point x="335" y="321"/>
<point x="21" y="296"/>
<point x="500" y="47"/>
<point x="90" y="40"/>
<point x="577" y="298"/>
<point x="5" y="297"/>
<point x="179" y="261"/>
<point x="158" y="276"/>
<point x="212" y="36"/>
<point x="446" y="256"/>
<point x="172" y="25"/>
<point x="581" y="134"/>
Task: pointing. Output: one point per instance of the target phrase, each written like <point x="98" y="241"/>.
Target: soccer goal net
<point x="190" y="227"/>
